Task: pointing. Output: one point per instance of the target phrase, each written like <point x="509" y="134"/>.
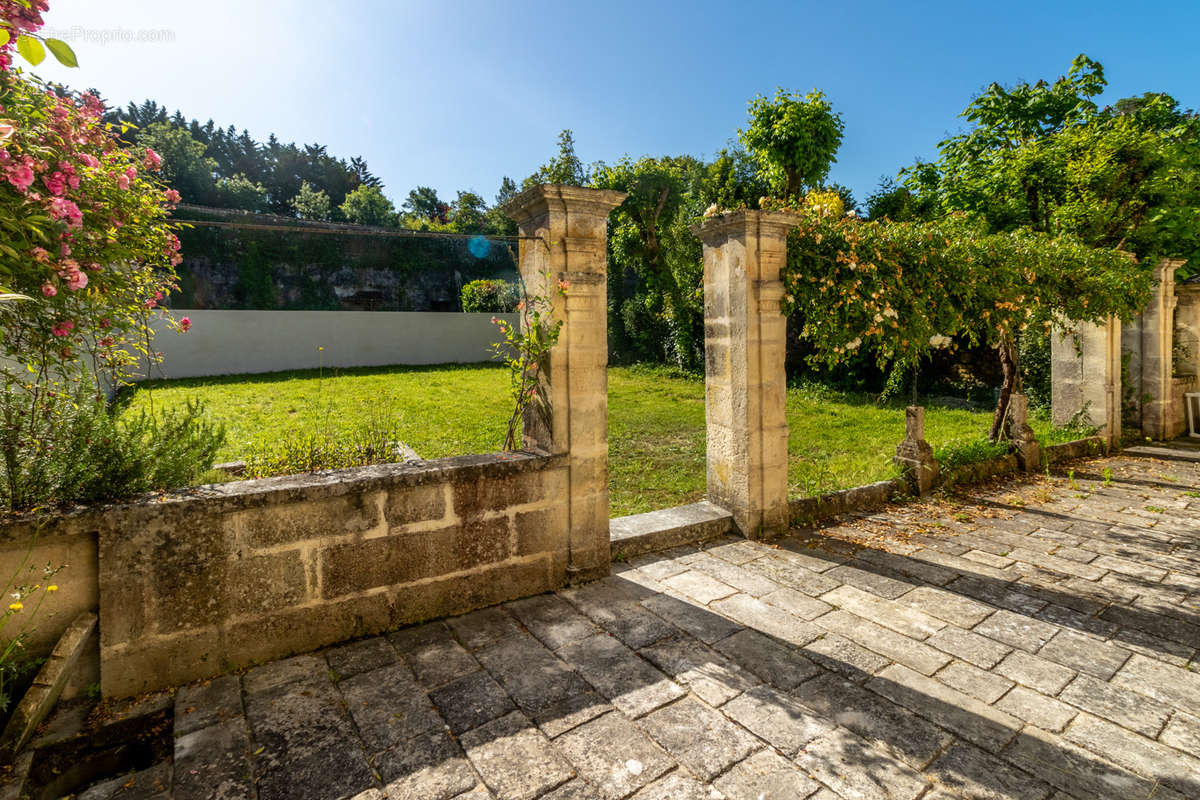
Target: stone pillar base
<point x="914" y="456"/>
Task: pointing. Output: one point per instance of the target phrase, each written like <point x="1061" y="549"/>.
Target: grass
<point x="656" y="423"/>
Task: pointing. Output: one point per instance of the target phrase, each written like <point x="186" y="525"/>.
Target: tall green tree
<point x="366" y="205"/>
<point x="794" y="139"/>
<point x="311" y="202"/>
<point x="468" y="213"/>
<point x="424" y="202"/>
<point x="565" y="167"/>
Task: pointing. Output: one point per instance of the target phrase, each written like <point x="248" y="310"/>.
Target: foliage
<point x="794" y="139"/>
<point x="1043" y="156"/>
<point x="82" y="451"/>
<point x="650" y="243"/>
<point x="185" y="168"/>
<point x="490" y="296"/>
<point x="20" y="21"/>
<point x="311" y="203"/>
<point x="525" y="348"/>
<point x="968" y="450"/>
<point x="423" y="202"/>
<point x="240" y="192"/>
<point x="375" y="442"/>
<point x="901" y="290"/>
<point x="468" y="213"/>
<point x="564" y="168"/>
<point x="366" y="205"/>
<point x="282" y="169"/>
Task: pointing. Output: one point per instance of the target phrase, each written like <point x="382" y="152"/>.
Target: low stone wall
<point x="1080" y="448"/>
<point x="1176" y="421"/>
<point x="872" y="497"/>
<point x="195" y="584"/>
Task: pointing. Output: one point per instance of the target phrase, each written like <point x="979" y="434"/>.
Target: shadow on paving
<point x="653" y="684"/>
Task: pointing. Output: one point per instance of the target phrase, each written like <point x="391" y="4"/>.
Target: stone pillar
<point x="570" y="226"/>
<point x="1187" y="328"/>
<point x="1158" y="327"/>
<point x="1085" y="377"/>
<point x="1029" y="451"/>
<point x="745" y="342"/>
<point x="914" y="456"/>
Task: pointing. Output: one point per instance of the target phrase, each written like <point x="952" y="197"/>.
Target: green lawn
<point x="656" y="423"/>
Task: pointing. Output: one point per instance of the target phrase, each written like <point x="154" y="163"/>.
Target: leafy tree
<point x="496" y="222"/>
<point x="423" y="202"/>
<point x="311" y="203"/>
<point x="1043" y="157"/>
<point x="468" y="213"/>
<point x="898" y="202"/>
<point x="241" y="192"/>
<point x="794" y="139"/>
<point x="366" y="205"/>
<point x="186" y="168"/>
<point x="564" y="168"/>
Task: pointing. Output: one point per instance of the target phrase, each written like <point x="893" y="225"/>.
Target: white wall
<point x="237" y="342"/>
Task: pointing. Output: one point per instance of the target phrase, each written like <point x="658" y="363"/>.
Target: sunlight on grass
<point x="656" y="423"/>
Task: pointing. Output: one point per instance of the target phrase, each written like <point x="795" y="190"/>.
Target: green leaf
<point x="31" y="49"/>
<point x="63" y="52"/>
<point x="4" y="37"/>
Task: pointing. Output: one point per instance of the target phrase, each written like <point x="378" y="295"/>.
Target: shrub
<point x="372" y="443"/>
<point x="86" y="451"/>
<point x="491" y="296"/>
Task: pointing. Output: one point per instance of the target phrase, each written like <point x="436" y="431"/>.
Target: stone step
<point x="671" y="527"/>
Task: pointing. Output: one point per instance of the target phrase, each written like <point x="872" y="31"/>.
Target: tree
<point x="423" y="202"/>
<point x="366" y="205"/>
<point x="564" y="168"/>
<point x="1044" y="158"/>
<point x="467" y="213"/>
<point x="241" y="192"/>
<point x="311" y="203"/>
<point x="186" y="168"/>
<point x="496" y="222"/>
<point x="794" y="139"/>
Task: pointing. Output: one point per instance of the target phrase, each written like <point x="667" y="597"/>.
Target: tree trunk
<point x="1012" y="380"/>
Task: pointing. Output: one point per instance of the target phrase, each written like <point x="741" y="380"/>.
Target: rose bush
<point x="86" y="240"/>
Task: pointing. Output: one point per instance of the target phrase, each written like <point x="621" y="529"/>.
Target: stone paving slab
<point x="1028" y="641"/>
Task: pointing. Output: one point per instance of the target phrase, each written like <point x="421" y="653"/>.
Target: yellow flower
<point x="17" y="606"/>
<point x="52" y="587"/>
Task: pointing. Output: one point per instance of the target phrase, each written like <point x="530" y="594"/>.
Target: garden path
<point x="1033" y="640"/>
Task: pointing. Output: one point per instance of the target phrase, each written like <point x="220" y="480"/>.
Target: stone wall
<point x="198" y="583"/>
<point x="25" y="549"/>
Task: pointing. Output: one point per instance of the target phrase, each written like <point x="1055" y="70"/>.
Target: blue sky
<point x="455" y="95"/>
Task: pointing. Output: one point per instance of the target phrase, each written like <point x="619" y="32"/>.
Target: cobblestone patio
<point x="1037" y="640"/>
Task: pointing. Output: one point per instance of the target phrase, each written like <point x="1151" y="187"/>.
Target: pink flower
<point x="63" y="328"/>
<point x="62" y="208"/>
<point x="55" y="182"/>
<point x="185" y="324"/>
<point x="77" y="280"/>
<point x="40" y="255"/>
<point x="48" y="290"/>
<point x="171" y="196"/>
<point x="20" y="176"/>
<point x="122" y="182"/>
<point x="89" y="160"/>
<point x="153" y="159"/>
<point x="131" y="172"/>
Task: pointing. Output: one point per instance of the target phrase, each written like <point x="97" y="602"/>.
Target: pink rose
<point x="185" y="324"/>
<point x="63" y="328"/>
<point x="153" y="160"/>
<point x="48" y="290"/>
<point x="20" y="176"/>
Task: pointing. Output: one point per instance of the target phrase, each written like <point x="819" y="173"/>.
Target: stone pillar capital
<point x="743" y="223"/>
<point x="579" y="208"/>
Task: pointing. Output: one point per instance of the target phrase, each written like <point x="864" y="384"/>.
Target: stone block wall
<point x="26" y="547"/>
<point x="197" y="583"/>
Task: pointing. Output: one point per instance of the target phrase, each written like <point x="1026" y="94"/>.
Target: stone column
<point x="570" y="224"/>
<point x="1029" y="451"/>
<point x="745" y="338"/>
<point x="1157" y="368"/>
<point x="1187" y="328"/>
<point x="914" y="456"/>
<point x="1085" y="376"/>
